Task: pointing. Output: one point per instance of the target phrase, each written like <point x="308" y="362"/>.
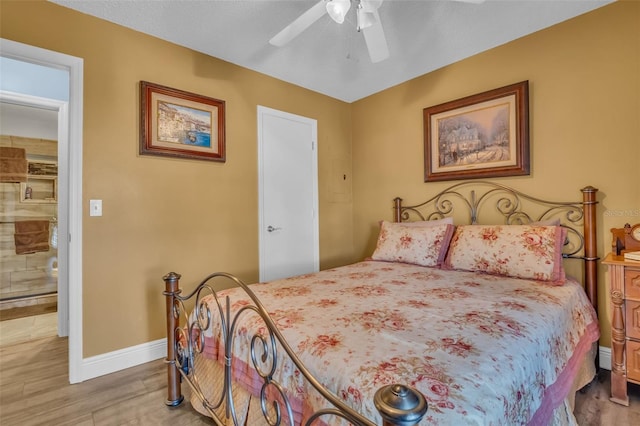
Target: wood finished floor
<point x="34" y="390"/>
<point x="593" y="407"/>
<point x="24" y="329"/>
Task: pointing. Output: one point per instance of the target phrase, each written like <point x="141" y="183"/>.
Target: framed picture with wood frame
<point x="175" y="123"/>
<point x="480" y="136"/>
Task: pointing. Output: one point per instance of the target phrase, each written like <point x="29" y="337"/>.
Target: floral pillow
<point x="426" y="246"/>
<point x="521" y="251"/>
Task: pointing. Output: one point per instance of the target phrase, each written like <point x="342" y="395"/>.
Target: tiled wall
<point x="26" y="274"/>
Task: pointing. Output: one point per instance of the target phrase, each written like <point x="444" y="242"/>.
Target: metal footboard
<point x="397" y="404"/>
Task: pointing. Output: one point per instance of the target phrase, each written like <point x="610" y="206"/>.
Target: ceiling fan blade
<point x="376" y="40"/>
<point x="370" y="5"/>
<point x="303" y="22"/>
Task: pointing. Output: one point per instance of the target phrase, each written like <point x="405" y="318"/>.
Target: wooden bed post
<point x="174" y="394"/>
<point x="590" y="244"/>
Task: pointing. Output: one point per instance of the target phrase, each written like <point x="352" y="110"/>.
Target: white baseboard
<point x="111" y="362"/>
<point x="605" y="358"/>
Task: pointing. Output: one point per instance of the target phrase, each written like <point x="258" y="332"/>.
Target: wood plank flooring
<point x="34" y="390"/>
<point x="28" y="328"/>
<point x="593" y="408"/>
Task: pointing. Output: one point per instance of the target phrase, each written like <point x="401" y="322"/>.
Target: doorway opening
<point x="28" y="217"/>
<point x="69" y="182"/>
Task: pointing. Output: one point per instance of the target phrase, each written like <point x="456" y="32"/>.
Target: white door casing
<point x="69" y="189"/>
<point x="288" y="194"/>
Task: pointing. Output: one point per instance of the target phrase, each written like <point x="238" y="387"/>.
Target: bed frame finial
<point x="400" y="405"/>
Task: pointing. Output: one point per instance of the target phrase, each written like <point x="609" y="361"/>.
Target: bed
<point x="463" y="314"/>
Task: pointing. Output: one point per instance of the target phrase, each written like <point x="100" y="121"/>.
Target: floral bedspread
<point x="483" y="349"/>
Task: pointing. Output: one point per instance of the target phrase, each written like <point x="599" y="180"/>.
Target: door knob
<point x="271" y="228"/>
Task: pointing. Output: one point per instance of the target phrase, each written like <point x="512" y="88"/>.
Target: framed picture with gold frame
<point x="175" y="123"/>
<point x="480" y="136"/>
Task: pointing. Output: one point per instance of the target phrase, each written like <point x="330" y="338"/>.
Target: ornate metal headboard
<point x="492" y="202"/>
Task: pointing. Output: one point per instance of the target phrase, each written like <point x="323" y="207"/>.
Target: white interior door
<point x="288" y="187"/>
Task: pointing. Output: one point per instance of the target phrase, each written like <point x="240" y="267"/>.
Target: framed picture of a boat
<point x="175" y="123"/>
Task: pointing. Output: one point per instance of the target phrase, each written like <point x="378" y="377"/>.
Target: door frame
<point x="70" y="192"/>
<point x="262" y="111"/>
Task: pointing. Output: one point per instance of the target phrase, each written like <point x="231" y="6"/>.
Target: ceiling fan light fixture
<point x="338" y="9"/>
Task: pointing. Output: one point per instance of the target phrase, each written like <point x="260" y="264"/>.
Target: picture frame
<point x="480" y="136"/>
<point x="175" y="123"/>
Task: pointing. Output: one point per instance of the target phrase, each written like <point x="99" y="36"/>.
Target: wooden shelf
<point x="43" y="190"/>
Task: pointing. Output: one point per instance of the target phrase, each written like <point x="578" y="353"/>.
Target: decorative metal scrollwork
<point x="190" y="344"/>
<point x="515" y="208"/>
<point x="276" y="403"/>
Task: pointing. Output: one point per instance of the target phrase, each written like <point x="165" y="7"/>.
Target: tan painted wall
<point x="584" y="77"/>
<point x="195" y="217"/>
<point x="162" y="214"/>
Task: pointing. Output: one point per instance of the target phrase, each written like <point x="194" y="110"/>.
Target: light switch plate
<point x="95" y="207"/>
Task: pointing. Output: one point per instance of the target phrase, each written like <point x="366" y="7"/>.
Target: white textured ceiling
<point x="332" y="59"/>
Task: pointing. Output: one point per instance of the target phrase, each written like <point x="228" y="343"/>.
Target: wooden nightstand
<point x="624" y="287"/>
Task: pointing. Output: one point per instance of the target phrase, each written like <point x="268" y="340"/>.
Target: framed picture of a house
<point x="175" y="123"/>
<point x="480" y="136"/>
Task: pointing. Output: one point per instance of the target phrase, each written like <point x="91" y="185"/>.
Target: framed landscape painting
<point x="480" y="136"/>
<point x="174" y="123"/>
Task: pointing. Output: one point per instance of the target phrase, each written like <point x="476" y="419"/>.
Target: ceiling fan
<point x="367" y="22"/>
